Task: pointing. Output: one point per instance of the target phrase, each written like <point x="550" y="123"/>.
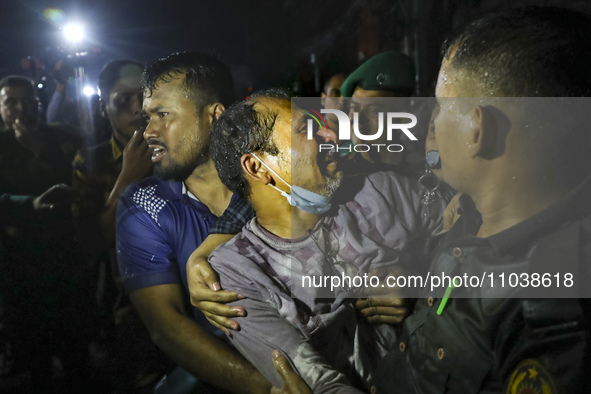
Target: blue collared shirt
<point x="158" y="227"/>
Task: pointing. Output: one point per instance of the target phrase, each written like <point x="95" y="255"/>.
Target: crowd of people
<point x="171" y="257"/>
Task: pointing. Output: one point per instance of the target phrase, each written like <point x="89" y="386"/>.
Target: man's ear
<point x="483" y="133"/>
<point x="254" y="170"/>
<point x="214" y="111"/>
<point x="322" y="99"/>
<point x="103" y="108"/>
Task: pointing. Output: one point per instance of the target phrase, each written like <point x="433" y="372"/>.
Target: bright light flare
<point x="88" y="90"/>
<point x="73" y="32"/>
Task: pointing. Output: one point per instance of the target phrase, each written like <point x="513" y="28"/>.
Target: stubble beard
<point x="179" y="172"/>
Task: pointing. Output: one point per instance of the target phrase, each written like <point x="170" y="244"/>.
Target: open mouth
<point x="157" y="153"/>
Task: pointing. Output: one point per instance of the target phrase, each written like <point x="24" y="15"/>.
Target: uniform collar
<point x="573" y="206"/>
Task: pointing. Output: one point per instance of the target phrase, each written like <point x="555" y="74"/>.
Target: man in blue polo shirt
<point x="161" y="220"/>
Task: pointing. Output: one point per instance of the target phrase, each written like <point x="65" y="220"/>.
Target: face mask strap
<point x="274" y="173"/>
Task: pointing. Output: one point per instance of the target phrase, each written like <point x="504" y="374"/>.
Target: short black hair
<point x="344" y="75"/>
<point x="19" y="81"/>
<point x="207" y="79"/>
<point x="241" y="129"/>
<point x="527" y="52"/>
<point x="111" y="73"/>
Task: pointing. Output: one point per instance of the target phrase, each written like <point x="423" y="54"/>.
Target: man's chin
<point x="175" y="173"/>
<point x="333" y="183"/>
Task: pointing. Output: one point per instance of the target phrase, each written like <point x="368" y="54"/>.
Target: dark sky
<point x="271" y="36"/>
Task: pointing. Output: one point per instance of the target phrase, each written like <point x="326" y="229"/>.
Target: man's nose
<point x="151" y="131"/>
<point x="327" y="135"/>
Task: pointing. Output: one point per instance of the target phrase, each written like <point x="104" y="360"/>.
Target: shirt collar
<point x="117" y="151"/>
<point x="188" y="193"/>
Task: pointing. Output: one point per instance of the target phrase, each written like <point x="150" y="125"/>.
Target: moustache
<point x="157" y="144"/>
<point x="328" y="156"/>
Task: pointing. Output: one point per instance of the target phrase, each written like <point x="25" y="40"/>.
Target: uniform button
<point x="456" y="252"/>
<point x="373" y="390"/>
<point x="402" y="346"/>
<point x="440" y="353"/>
<point x="430" y="301"/>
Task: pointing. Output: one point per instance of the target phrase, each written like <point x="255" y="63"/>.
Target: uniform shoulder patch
<point x="531" y="377"/>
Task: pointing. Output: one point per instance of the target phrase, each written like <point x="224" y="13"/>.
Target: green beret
<point x="385" y="71"/>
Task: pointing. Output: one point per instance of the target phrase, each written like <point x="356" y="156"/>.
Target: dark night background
<point x="267" y="42"/>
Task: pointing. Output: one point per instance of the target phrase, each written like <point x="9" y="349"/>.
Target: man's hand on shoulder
<point x="205" y="290"/>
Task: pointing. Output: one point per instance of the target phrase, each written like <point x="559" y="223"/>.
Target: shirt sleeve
<point x="54" y="107"/>
<point x="238" y="213"/>
<point x="144" y="255"/>
<point x="264" y="329"/>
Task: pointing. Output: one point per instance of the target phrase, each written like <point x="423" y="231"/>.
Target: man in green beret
<point x="388" y="74"/>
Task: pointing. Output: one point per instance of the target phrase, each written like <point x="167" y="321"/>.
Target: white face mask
<point x="301" y="198"/>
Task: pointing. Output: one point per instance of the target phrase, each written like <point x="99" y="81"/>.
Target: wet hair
<point x="239" y="130"/>
<point x="527" y="52"/>
<point x="207" y="79"/>
<point x="534" y="52"/>
<point x="19" y="81"/>
<point x="111" y="73"/>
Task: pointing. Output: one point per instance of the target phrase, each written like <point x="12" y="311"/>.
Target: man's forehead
<point x="360" y="92"/>
<point x="165" y="85"/>
<point x="16" y="91"/>
<point x="447" y="81"/>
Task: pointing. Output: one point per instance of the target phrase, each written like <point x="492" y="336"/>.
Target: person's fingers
<point x="221" y="309"/>
<point x="220" y="327"/>
<point x="383" y="310"/>
<point x="363" y="303"/>
<point x="294" y="384"/>
<point x="137" y="138"/>
<point x="282" y="366"/>
<point x="383" y="319"/>
<point x="208" y="275"/>
<point x="204" y="294"/>
<point x="222" y="322"/>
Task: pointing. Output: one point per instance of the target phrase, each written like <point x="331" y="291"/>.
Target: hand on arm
<point x="382" y="310"/>
<point x="266" y="329"/>
<point x="293" y="383"/>
<point x="205" y="289"/>
<point x="192" y="347"/>
<point x="383" y="304"/>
